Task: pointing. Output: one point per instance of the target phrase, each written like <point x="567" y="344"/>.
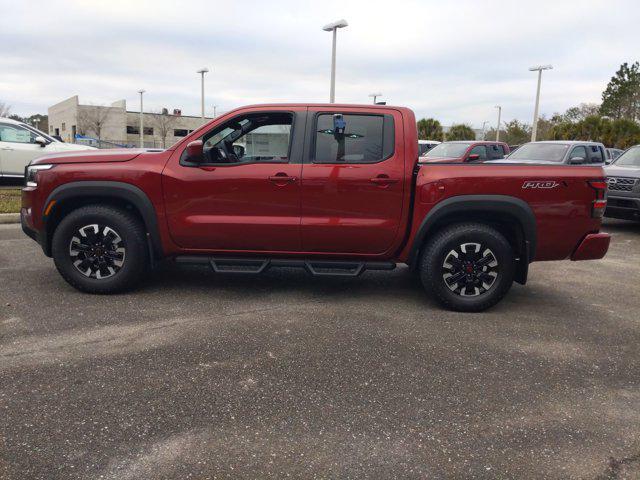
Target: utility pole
<point x="534" y="127"/>
<point x="141" y="120"/>
<point x="499" y="107"/>
<point x="202" y="71"/>
<point x="484" y="129"/>
<point x="333" y="27"/>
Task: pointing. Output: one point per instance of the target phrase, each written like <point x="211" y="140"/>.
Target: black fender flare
<point x="109" y="189"/>
<point x="486" y="204"/>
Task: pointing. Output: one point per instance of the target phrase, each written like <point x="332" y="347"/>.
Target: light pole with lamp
<point x="375" y="96"/>
<point x="499" y="107"/>
<point x="141" y="120"/>
<point x="333" y="27"/>
<point x="202" y="71"/>
<point x="534" y="127"/>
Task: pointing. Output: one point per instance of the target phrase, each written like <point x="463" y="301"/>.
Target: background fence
<point x="108" y="143"/>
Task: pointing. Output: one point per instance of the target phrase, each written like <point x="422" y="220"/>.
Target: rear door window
<point x="495" y="151"/>
<point x="352" y="138"/>
<point x="595" y="154"/>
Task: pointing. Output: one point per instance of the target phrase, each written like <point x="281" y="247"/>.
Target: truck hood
<point x="616" y="171"/>
<point x="528" y="162"/>
<point x="92" y="156"/>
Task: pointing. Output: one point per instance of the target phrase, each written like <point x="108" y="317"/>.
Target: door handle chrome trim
<point x="383" y="180"/>
<point x="282" y="178"/>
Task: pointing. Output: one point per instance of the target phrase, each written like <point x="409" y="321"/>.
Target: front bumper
<point x="593" y="247"/>
<point x="30" y="230"/>
<point x="623" y="207"/>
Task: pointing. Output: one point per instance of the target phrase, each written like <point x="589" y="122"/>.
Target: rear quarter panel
<point x="563" y="213"/>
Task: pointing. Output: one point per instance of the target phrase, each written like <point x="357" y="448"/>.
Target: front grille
<point x="621" y="184"/>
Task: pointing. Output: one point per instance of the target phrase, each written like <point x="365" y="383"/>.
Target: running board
<point x="318" y="268"/>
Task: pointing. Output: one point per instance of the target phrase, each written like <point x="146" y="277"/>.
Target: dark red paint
<point x="325" y="210"/>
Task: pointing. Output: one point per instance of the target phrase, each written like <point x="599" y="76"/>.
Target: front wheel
<point x="100" y="249"/>
<point x="469" y="267"/>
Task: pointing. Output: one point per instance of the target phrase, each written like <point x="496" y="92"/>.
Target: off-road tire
<point x="438" y="252"/>
<point x="132" y="258"/>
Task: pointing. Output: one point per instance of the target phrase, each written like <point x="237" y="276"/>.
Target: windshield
<point x="552" y="152"/>
<point x="447" y="150"/>
<point x="630" y="158"/>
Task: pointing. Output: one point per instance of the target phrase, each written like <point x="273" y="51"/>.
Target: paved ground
<point x="216" y="376"/>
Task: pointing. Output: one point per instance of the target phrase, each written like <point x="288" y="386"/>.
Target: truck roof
<point x="328" y="105"/>
<point x="568" y="142"/>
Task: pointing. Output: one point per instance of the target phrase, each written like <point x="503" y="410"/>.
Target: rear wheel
<point x="469" y="267"/>
<point x="100" y="249"/>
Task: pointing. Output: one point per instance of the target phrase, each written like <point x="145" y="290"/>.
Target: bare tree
<point x="163" y="124"/>
<point x="5" y="109"/>
<point x="93" y="119"/>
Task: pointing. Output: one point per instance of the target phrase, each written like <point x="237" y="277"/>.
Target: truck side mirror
<point x="41" y="141"/>
<point x="473" y="157"/>
<point x="195" y="151"/>
<point x="576" y="160"/>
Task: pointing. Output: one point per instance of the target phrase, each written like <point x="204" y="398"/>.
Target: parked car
<point x="623" y="186"/>
<point x="465" y="151"/>
<point x="612" y="154"/>
<point x="20" y="143"/>
<point x="330" y="188"/>
<point x="558" y="151"/>
<point x="425" y="145"/>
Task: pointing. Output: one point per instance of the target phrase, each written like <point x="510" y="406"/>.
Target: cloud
<point x="451" y="60"/>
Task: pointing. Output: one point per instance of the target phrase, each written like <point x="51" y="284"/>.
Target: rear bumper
<point x="593" y="247"/>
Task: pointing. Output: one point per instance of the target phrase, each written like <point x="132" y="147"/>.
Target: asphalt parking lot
<point x="199" y="375"/>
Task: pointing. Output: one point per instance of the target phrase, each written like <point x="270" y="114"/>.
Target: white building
<point x="116" y="126"/>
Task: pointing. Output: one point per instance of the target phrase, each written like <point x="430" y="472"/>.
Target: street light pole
<point x="499" y="107"/>
<point x="484" y="129"/>
<point x="534" y="127"/>
<point x="202" y="71"/>
<point x="333" y="27"/>
<point x="141" y="120"/>
<point x="214" y="110"/>
<point x="375" y="96"/>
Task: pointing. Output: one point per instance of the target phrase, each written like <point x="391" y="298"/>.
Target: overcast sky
<point x="452" y="60"/>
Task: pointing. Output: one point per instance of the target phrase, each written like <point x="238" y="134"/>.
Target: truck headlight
<point x="31" y="175"/>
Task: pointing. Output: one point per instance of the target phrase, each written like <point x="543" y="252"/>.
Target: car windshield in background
<point x="630" y="158"/>
<point x="552" y="152"/>
<point x="447" y="150"/>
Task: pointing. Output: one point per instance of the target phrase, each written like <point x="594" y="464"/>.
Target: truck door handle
<point x="383" y="180"/>
<point x="282" y="178"/>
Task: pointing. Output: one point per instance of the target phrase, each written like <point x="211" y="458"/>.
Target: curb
<point x="6" y="218"/>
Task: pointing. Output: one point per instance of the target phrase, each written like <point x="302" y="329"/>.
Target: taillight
<point x="600" y="203"/>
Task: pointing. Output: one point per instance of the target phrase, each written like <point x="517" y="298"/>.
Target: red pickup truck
<point x="335" y="189"/>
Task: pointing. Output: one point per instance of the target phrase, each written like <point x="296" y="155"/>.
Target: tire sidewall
<point x="450" y="239"/>
<point x="124" y="225"/>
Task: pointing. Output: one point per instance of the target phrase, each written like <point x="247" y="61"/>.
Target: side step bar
<point x="317" y="268"/>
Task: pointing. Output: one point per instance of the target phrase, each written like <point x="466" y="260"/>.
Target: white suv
<point x="20" y="143"/>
